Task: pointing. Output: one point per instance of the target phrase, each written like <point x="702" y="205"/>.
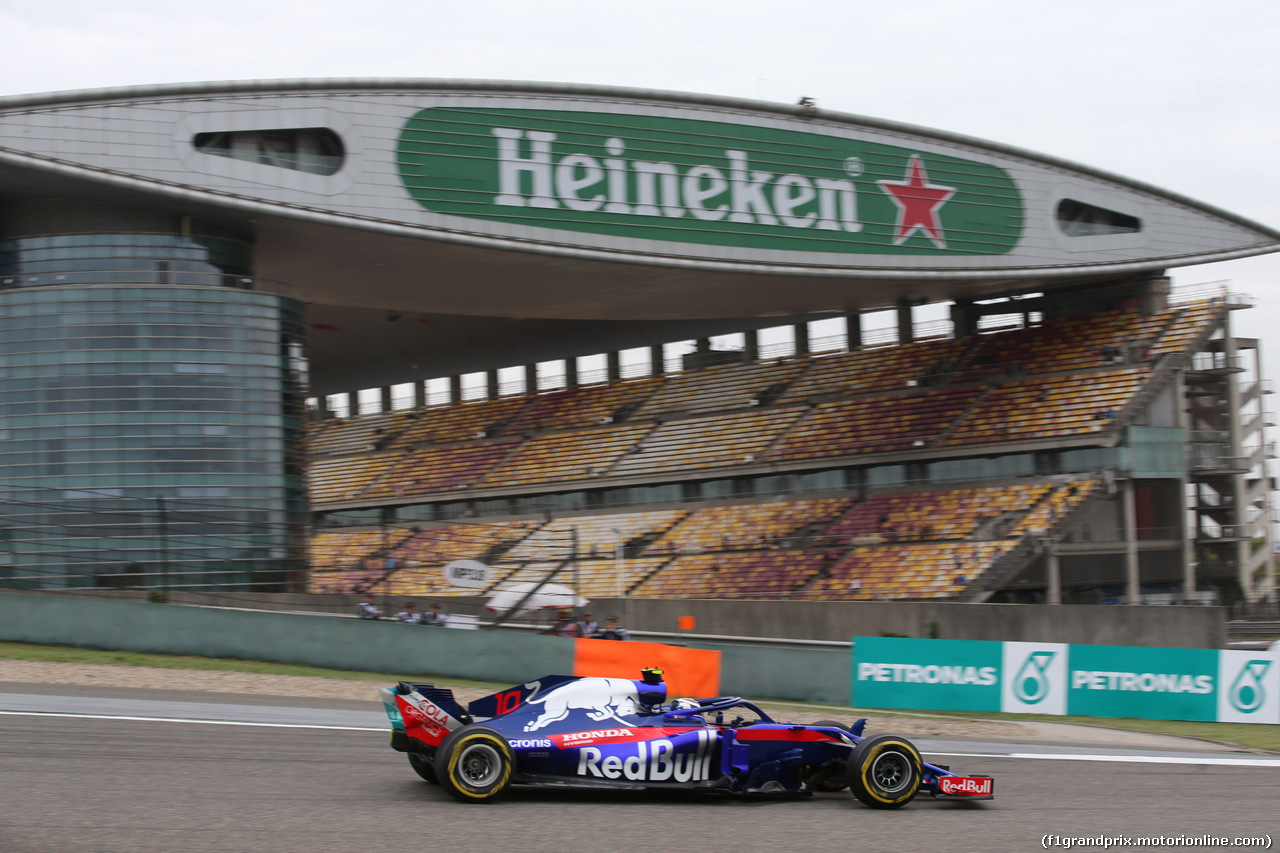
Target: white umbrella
<point x="549" y="595"/>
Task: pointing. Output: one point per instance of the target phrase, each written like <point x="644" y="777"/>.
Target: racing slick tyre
<point x="830" y="777"/>
<point x="474" y="764"/>
<point x="424" y="766"/>
<point x="884" y="771"/>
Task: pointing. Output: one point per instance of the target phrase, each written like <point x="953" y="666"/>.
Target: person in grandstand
<point x="588" y="627"/>
<point x="564" y="626"/>
<point x="410" y="614"/>
<point x="613" y="630"/>
<point x="436" y="617"/>
<point x="366" y="609"/>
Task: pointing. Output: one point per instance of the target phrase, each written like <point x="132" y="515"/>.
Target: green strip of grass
<point x="70" y="654"/>
<point x="1247" y="735"/>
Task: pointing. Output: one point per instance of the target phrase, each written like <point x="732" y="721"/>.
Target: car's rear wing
<point x="422" y="712"/>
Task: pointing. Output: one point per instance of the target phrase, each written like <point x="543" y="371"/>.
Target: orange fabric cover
<point x="689" y="672"/>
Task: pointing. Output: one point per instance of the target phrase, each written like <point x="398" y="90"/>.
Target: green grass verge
<point x="70" y="654"/>
<point x="1245" y="734"/>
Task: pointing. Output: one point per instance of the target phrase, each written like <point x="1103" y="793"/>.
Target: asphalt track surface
<point x="135" y="771"/>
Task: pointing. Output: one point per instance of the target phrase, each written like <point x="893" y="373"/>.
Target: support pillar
<point x="571" y="372"/>
<point x="455" y="389"/>
<point x="1185" y="533"/>
<point x="702" y="348"/>
<point x="419" y="394"/>
<point x="751" y="345"/>
<point x="613" y="366"/>
<point x="1053" y="573"/>
<point x="853" y="330"/>
<point x="802" y="339"/>
<point x="964" y="320"/>
<point x="657" y="359"/>
<point x="386" y="402"/>
<point x="492" y="390"/>
<point x="531" y="379"/>
<point x="1133" y="585"/>
<point x="906" y="329"/>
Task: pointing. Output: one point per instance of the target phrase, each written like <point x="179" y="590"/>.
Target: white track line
<point x="1128" y="759"/>
<point x="183" y="720"/>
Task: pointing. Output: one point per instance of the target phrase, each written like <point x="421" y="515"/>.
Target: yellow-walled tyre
<point x="885" y="771"/>
<point x="474" y="764"/>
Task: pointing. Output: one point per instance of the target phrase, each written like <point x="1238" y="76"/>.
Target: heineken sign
<point x="1050" y="678"/>
<point x="689" y="181"/>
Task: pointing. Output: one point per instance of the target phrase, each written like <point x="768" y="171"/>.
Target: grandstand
<point x="1020" y="464"/>
<point x="332" y="334"/>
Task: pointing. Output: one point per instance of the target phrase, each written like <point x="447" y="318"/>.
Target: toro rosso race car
<point x="623" y="733"/>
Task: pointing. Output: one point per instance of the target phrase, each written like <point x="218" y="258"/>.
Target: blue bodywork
<point x="612" y="732"/>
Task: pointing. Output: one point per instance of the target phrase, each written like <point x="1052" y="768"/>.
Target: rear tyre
<point x="474" y="764"/>
<point x="884" y="772"/>
<point x="830" y="777"/>
<point x="424" y="766"/>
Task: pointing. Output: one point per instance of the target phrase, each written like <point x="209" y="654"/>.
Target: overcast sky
<point x="1182" y="95"/>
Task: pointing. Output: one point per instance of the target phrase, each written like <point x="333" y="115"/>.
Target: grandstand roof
<point x="442" y="226"/>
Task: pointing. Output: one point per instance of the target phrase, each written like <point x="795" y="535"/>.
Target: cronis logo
<point x="653" y="761"/>
<point x="532" y="743"/>
<point x="1247" y="694"/>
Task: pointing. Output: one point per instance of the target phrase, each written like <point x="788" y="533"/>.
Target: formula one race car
<point x="620" y="733"/>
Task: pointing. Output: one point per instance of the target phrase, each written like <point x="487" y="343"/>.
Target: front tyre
<point x="424" y="767"/>
<point x="884" y="772"/>
<point x="474" y="764"/>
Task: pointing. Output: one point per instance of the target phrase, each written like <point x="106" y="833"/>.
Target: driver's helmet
<point x="685" y="704"/>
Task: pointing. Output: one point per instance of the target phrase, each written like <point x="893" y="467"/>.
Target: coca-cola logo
<point x="423" y="714"/>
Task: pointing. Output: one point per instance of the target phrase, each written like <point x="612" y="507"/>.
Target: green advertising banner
<point x="955" y="675"/>
<point x="685" y="180"/>
<point x="1057" y="679"/>
<point x="1154" y="684"/>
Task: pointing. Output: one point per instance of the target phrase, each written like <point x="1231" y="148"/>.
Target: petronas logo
<point x="1031" y="684"/>
<point x="1247" y="694"/>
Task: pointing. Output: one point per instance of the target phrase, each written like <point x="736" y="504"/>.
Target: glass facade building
<point x="151" y="415"/>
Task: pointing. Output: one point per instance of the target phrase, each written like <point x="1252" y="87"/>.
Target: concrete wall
<point x="403" y="650"/>
<point x="1163" y="626"/>
<point x="805" y="675"/>
<point x="1167" y="627"/>
<point x="281" y="637"/>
